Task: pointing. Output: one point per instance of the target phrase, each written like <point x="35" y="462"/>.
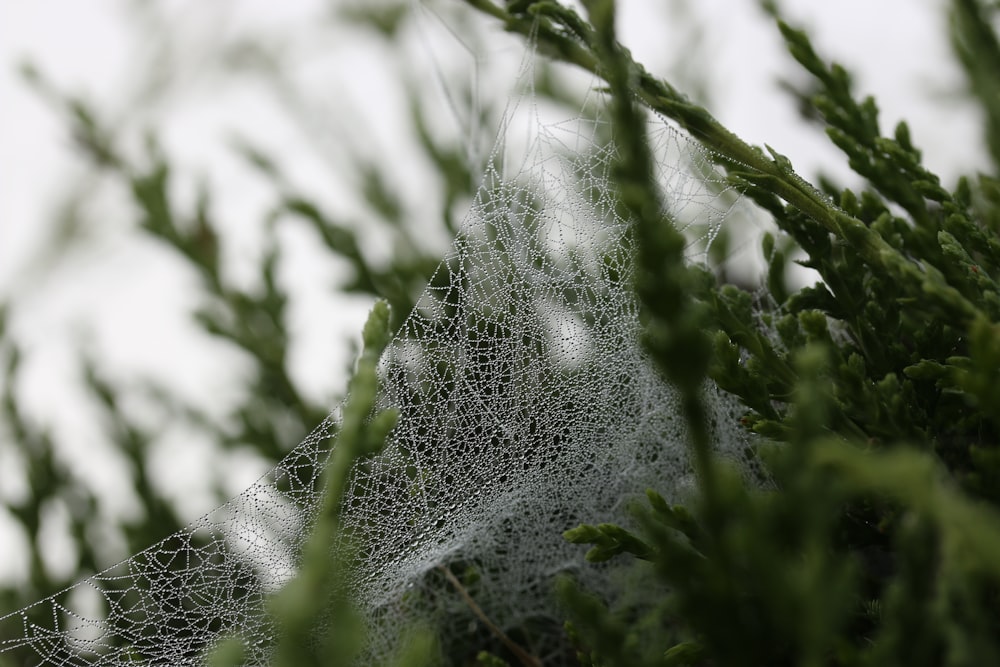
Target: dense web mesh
<point x="528" y="406"/>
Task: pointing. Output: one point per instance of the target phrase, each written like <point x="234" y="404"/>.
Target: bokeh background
<point x="199" y="202"/>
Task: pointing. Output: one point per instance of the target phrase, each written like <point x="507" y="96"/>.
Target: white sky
<point x="126" y="299"/>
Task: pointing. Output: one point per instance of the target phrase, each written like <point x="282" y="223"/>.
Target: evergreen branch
<point x="318" y="591"/>
<point x="563" y="34"/>
<point x="970" y="529"/>
<point x="676" y="332"/>
<point x="977" y="46"/>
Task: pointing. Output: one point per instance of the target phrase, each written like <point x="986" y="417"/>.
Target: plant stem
<point x="526" y="658"/>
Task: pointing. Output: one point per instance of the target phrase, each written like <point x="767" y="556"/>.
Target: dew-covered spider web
<point x="528" y="407"/>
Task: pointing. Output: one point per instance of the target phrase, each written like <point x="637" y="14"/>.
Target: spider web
<point x="527" y="407"/>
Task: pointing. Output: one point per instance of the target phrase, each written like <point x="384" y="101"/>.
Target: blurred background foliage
<point x="384" y="243"/>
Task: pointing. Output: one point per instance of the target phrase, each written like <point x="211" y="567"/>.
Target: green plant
<point x="879" y="541"/>
<point x="872" y="535"/>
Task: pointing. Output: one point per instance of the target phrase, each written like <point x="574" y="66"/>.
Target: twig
<point x="526" y="658"/>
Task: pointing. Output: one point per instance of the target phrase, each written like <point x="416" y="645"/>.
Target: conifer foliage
<point x="878" y="539"/>
<point x="870" y="534"/>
